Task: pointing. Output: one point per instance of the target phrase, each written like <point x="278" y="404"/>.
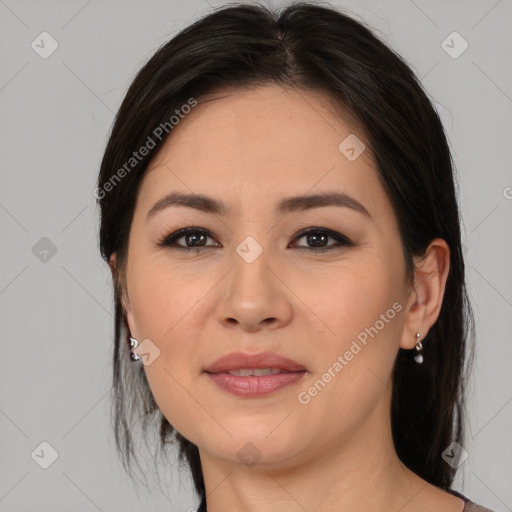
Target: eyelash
<point x="169" y="241"/>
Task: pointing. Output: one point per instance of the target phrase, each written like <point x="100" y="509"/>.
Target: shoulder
<point x="469" y="506"/>
<point x="473" y="507"/>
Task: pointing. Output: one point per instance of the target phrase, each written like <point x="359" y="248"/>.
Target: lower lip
<point x="254" y="386"/>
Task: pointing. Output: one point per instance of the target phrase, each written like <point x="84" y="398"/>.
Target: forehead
<point x="260" y="144"/>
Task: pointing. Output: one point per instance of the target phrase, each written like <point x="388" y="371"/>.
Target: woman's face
<point x="253" y="283"/>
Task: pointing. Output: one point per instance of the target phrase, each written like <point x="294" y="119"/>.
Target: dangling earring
<point x="134" y="344"/>
<point x="419" y="347"/>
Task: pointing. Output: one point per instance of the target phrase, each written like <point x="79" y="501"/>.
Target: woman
<point x="279" y="213"/>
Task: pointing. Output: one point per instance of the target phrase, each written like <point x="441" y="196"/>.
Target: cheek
<point x="166" y="304"/>
<point x="161" y="297"/>
<point x="163" y="307"/>
<point x="353" y="300"/>
<point x="355" y="357"/>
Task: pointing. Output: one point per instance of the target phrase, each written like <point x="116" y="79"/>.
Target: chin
<point x="264" y="444"/>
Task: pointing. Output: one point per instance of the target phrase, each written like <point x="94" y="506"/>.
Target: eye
<point x="318" y="237"/>
<point x="194" y="236"/>
<point x="194" y="239"/>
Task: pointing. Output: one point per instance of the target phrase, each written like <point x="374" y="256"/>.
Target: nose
<point x="255" y="297"/>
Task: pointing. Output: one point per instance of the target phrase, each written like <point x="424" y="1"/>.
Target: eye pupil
<point x="313" y="239"/>
<point x="194" y="238"/>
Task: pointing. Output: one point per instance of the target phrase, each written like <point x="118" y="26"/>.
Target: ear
<point x="120" y="285"/>
<point x="426" y="298"/>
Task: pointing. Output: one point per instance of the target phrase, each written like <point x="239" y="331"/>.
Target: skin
<point x="250" y="149"/>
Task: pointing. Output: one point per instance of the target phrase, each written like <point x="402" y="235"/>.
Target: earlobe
<point x="425" y="300"/>
<point x="125" y="303"/>
<point x="112" y="263"/>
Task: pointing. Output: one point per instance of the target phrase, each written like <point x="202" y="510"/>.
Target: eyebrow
<point x="208" y="204"/>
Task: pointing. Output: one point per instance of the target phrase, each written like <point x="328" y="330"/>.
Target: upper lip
<point x="243" y="360"/>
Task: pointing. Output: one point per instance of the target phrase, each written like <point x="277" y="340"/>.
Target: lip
<point x="254" y="386"/>
<point x="243" y="360"/>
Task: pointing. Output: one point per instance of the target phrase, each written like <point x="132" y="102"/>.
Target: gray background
<point x="56" y="309"/>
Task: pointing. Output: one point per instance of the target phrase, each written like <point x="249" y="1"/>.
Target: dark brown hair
<point x="308" y="47"/>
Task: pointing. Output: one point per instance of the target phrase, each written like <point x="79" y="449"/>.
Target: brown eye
<point x="318" y="238"/>
<point x="193" y="239"/>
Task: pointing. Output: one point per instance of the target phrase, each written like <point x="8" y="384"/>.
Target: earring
<point x="134" y="344"/>
<point x="419" y="347"/>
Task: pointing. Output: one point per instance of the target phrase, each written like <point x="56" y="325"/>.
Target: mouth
<point x="268" y="362"/>
<point x="255" y="385"/>
<point x="254" y="372"/>
<point x="254" y="375"/>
